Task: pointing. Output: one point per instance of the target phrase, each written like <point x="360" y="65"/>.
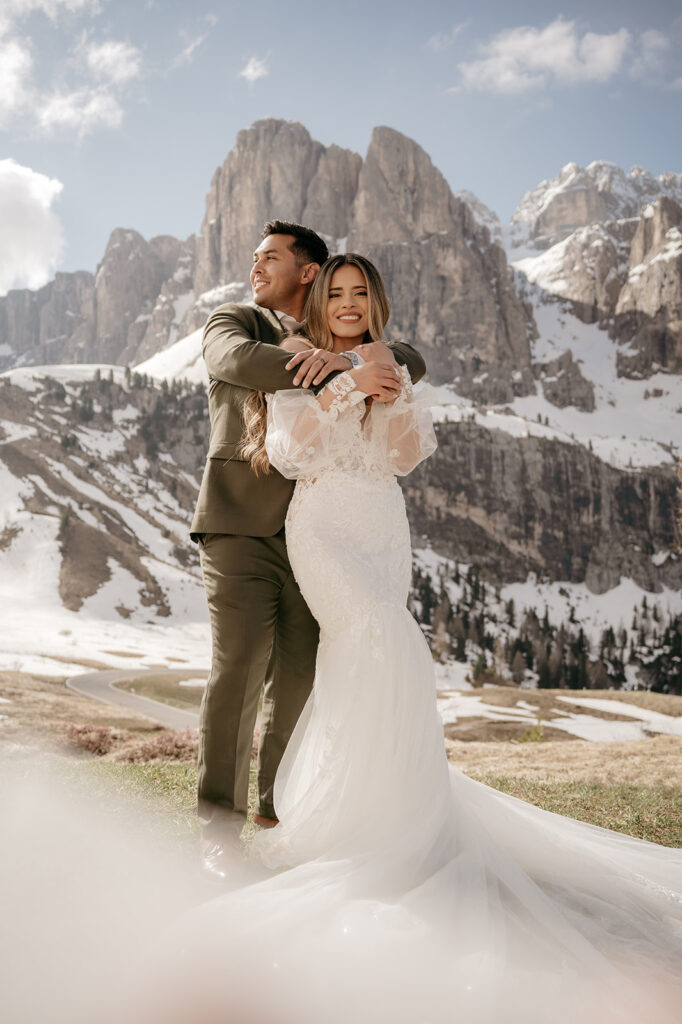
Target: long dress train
<point x="404" y="891"/>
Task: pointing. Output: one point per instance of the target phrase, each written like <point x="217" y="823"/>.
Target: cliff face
<point x="81" y="318"/>
<point x="50" y="324"/>
<point x="649" y="307"/>
<point x="520" y="505"/>
<point x="451" y="289"/>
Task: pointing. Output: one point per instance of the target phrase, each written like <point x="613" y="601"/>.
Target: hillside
<point x="99" y="473"/>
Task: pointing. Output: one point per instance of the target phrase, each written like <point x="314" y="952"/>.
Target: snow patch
<point x="180" y="360"/>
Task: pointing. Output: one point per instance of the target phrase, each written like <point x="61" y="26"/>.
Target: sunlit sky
<point x="117" y="112"/>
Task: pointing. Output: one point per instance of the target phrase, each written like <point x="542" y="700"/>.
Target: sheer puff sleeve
<point x="406" y="426"/>
<point x="300" y="433"/>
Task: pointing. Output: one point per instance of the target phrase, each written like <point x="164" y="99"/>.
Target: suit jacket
<point x="241" y="354"/>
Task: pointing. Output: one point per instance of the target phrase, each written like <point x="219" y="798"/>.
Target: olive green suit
<point x="262" y="629"/>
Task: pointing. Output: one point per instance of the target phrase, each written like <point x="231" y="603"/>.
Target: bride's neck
<point x="344" y="344"/>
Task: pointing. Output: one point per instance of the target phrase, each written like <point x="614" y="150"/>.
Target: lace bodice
<point x="345" y="460"/>
<point x="305" y="440"/>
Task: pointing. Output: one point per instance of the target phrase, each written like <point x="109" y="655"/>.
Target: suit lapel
<point x="268" y="315"/>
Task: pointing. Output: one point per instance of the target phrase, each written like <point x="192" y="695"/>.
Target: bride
<point x="400" y="890"/>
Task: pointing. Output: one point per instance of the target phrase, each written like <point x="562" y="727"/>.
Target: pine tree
<point x="518" y="668"/>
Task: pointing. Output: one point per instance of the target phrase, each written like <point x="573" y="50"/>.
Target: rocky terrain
<point x="554" y="343"/>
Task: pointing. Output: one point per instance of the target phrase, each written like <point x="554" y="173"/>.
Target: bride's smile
<point x="347" y="307"/>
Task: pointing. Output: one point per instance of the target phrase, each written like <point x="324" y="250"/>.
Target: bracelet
<point x="354" y="358"/>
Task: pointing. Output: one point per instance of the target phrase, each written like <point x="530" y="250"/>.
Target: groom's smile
<point x="277" y="276"/>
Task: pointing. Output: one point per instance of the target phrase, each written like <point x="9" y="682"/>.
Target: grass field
<point x="633" y="787"/>
<point x="648" y="812"/>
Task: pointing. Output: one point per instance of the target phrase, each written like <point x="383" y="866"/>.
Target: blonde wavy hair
<point x="255" y="414"/>
<point x="255" y="410"/>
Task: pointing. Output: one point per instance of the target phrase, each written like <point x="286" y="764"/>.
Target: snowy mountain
<point x="579" y="196"/>
<point x="554" y="342"/>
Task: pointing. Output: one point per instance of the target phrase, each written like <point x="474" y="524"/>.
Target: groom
<point x="262" y="630"/>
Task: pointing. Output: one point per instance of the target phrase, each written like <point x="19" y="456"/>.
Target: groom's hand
<point x="315" y="365"/>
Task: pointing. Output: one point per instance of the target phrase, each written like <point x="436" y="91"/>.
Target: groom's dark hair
<point x="308" y="246"/>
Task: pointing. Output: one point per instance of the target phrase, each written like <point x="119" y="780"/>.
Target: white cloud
<point x="82" y="109"/>
<point x="31" y="242"/>
<point x="255" y="68"/>
<point x="15" y="70"/>
<point x="444" y="40"/>
<point x="186" y="55"/>
<point x="71" y="105"/>
<point x="193" y="43"/>
<point x="112" y="60"/>
<point x="657" y="56"/>
<point x="52" y="8"/>
<point x="524" y="58"/>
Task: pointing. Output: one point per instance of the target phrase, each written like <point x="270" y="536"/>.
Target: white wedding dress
<point x="403" y="891"/>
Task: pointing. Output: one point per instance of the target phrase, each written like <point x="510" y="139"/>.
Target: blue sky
<point x="117" y="112"/>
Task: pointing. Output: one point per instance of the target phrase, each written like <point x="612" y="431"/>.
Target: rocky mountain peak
<point x="267" y="174"/>
<point x="401" y="195"/>
<point x="127" y="283"/>
<point x="579" y="196"/>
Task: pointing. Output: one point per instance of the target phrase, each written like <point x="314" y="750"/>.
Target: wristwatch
<point x="354" y="358"/>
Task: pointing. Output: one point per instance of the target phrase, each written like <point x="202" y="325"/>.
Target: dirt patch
<point x="474" y="728"/>
<point x="656" y="760"/>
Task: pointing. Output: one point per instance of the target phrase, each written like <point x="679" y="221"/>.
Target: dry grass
<point x="653" y="813"/>
<point x="41" y="711"/>
<point x="653" y="761"/>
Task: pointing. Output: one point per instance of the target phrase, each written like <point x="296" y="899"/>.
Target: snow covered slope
<point x="96" y="493"/>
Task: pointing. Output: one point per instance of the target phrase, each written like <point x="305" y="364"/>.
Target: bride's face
<point x="348" y="304"/>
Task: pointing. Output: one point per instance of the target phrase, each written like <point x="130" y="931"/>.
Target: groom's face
<point x="276" y="274"/>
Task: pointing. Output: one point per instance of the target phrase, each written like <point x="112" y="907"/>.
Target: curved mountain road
<point x="100" y="686"/>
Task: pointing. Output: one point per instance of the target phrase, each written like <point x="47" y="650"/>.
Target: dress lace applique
<point x="342" y="387"/>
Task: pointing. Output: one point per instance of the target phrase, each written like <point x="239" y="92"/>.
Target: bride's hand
<point x="378" y="380"/>
<point x="376" y="352"/>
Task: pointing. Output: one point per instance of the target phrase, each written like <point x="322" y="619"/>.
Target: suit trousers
<point x="264" y="640"/>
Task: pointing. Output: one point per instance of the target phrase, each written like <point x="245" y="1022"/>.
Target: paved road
<point x="100" y="685"/>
